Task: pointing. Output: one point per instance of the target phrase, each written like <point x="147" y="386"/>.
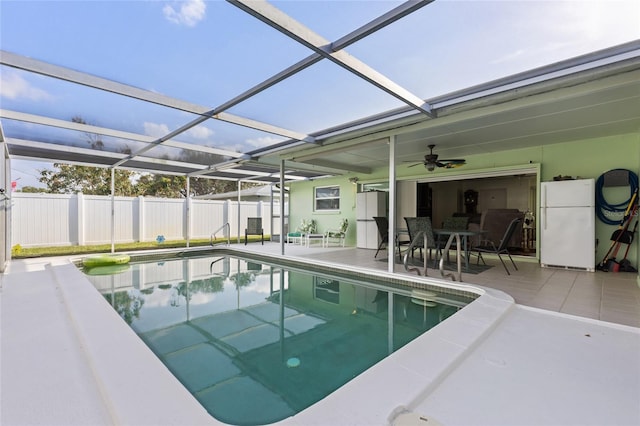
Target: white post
<point x="271" y="224"/>
<point x="391" y="244"/>
<point x="282" y="236"/>
<point x="188" y="212"/>
<point x="239" y="199"/>
<point x="113" y="210"/>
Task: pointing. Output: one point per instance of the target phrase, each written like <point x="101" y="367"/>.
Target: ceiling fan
<point x="431" y="161"/>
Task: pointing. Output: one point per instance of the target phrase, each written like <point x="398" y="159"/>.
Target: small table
<point x="464" y="236"/>
<point x="314" y="237"/>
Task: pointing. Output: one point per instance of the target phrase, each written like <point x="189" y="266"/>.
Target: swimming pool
<point x="256" y="341"/>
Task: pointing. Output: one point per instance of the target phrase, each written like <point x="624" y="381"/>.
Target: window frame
<point x="316" y="199"/>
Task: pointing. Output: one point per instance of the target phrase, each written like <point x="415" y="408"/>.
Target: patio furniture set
<point x="474" y="241"/>
<point x="307" y="234"/>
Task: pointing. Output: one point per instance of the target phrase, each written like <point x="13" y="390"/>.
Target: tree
<point x="68" y="179"/>
<point x="97" y="181"/>
<point x="161" y="185"/>
<point x="203" y="186"/>
<point x="32" y="189"/>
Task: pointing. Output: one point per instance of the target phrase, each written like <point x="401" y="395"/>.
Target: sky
<point x="208" y="52"/>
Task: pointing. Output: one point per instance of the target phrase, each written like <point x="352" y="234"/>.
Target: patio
<point x="611" y="297"/>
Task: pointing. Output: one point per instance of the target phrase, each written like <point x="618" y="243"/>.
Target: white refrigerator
<point x="567" y="224"/>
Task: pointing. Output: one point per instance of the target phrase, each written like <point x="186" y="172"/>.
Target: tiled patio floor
<point x="607" y="296"/>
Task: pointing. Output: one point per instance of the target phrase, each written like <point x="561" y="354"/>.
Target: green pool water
<point x="257" y="343"/>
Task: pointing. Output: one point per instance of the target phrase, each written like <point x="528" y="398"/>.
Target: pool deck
<point x="543" y="347"/>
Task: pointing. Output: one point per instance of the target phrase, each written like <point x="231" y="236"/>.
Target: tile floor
<point x="607" y="296"/>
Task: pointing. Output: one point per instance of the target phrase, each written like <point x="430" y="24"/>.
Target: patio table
<point x="464" y="236"/>
<point x="314" y="237"/>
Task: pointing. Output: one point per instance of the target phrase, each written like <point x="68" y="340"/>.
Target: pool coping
<point x="125" y="368"/>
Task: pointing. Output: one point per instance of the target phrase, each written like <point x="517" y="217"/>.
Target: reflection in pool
<point x="256" y="343"/>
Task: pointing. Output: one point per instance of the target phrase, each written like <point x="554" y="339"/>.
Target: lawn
<point x="18" y="252"/>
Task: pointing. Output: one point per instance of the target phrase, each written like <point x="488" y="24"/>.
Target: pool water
<point x="256" y="343"/>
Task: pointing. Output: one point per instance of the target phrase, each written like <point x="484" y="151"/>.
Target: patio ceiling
<point x="596" y="94"/>
<point x="592" y="96"/>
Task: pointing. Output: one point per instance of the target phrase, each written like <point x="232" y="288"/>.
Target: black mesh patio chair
<point x="254" y="227"/>
<point x="416" y="226"/>
<point x="502" y="248"/>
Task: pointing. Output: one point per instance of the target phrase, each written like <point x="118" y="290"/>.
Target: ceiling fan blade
<point x="415" y="164"/>
<point x="456" y="160"/>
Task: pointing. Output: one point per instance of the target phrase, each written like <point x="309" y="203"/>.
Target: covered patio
<point x="540" y="346"/>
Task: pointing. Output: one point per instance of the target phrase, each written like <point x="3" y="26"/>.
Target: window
<point x="327" y="289"/>
<point x="327" y="198"/>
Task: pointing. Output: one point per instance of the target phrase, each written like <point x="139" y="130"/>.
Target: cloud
<point x="262" y="142"/>
<point x="509" y="57"/>
<point x="189" y="12"/>
<point x="200" y="132"/>
<point x="13" y="86"/>
<point x="156" y="130"/>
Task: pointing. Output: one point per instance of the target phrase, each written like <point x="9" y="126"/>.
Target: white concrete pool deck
<point x="494" y="362"/>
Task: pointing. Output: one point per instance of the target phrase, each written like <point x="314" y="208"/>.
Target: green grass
<point x="18" y="252"/>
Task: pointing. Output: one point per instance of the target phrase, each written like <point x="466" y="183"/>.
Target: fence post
<point x="259" y="214"/>
<point x="80" y="214"/>
<point x="140" y="218"/>
<point x="187" y="227"/>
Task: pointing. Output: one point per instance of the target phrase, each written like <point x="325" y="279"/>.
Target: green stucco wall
<point x="585" y="159"/>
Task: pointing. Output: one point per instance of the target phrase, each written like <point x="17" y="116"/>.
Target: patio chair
<point x="502" y="248"/>
<point x="299" y="236"/>
<point x="416" y="226"/>
<point x="383" y="229"/>
<point x="337" y="236"/>
<point x="254" y="227"/>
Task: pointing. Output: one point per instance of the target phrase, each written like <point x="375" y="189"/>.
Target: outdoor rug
<point x="448" y="266"/>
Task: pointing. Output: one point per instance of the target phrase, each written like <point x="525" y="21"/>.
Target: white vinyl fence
<point x="63" y="220"/>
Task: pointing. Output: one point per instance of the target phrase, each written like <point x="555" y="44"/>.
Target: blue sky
<point x="207" y="52"/>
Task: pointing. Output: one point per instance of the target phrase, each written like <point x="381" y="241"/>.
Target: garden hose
<point x="607" y="212"/>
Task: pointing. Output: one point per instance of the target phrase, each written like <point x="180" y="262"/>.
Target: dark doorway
<point x="424" y="200"/>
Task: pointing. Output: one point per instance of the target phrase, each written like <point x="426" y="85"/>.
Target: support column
<point x="113" y="210"/>
<point x="282" y="236"/>
<point x="392" y="205"/>
<point x="188" y="212"/>
<point x="239" y="200"/>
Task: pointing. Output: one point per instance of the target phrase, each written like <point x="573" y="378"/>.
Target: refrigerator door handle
<point x="544" y="206"/>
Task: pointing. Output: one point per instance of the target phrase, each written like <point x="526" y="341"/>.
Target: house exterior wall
<point x="583" y="158"/>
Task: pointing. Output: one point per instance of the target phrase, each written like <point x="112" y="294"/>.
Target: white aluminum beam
<point x="43" y="68"/>
<point x="87" y="128"/>
<point x="272" y="16"/>
<point x="358" y="34"/>
<point x="115" y="156"/>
